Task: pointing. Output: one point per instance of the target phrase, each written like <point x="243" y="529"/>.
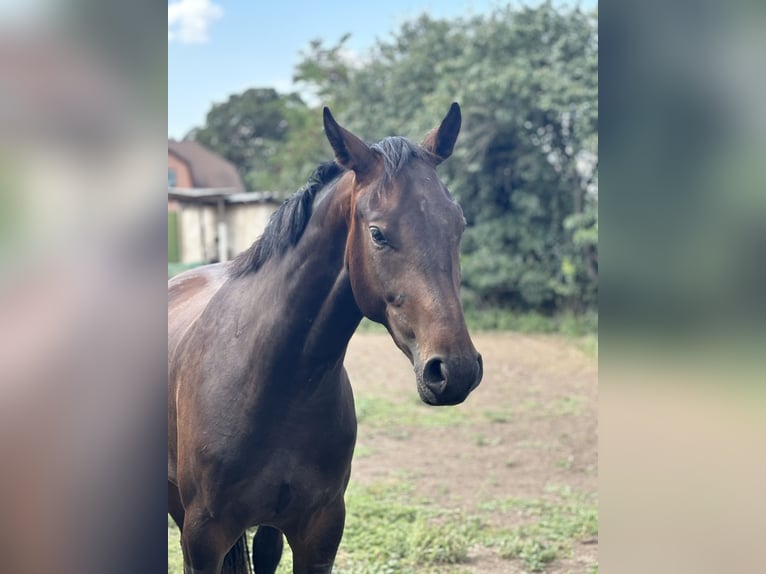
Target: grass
<point x="582" y="328"/>
<point x="551" y="534"/>
<point x="498" y="416"/>
<point x="570" y="324"/>
<point x="176" y="268"/>
<point x="548" y="528"/>
<point x="383" y="414"/>
<point x="573" y="405"/>
<point x="400" y="419"/>
<point x="175" y="557"/>
<point x="386" y="532"/>
<point x="389" y="531"/>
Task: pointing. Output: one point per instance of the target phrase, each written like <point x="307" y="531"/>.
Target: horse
<point x="261" y="420"/>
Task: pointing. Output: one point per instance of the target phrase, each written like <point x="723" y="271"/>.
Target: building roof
<point x="208" y="169"/>
<point x="212" y="196"/>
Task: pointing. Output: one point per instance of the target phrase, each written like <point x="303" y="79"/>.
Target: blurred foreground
<point x="82" y="343"/>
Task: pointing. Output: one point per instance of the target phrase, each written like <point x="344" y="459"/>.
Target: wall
<point x="183" y="175"/>
<point x="246" y="222"/>
<point x="197" y="232"/>
<point x="197" y="228"/>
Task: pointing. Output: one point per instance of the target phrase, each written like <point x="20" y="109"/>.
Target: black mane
<point x="286" y="224"/>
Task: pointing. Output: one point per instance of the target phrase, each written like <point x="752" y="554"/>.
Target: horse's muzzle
<point x="444" y="381"/>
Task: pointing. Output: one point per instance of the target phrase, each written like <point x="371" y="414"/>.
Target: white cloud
<point x="189" y="20"/>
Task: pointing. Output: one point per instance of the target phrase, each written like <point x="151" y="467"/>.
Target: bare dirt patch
<point x="529" y="431"/>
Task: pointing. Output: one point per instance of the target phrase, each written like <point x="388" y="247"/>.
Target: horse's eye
<point x="377" y="236"/>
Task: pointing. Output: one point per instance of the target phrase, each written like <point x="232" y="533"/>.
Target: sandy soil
<point x="530" y="425"/>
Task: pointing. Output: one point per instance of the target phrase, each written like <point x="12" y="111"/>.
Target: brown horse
<point x="261" y="422"/>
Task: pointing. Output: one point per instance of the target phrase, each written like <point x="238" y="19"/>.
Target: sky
<point x="221" y="47"/>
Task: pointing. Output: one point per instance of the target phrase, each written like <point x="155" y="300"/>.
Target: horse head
<point x="402" y="253"/>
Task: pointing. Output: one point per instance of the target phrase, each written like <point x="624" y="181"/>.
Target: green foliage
<point x="525" y="168"/>
<point x="566" y="323"/>
<point x="271" y="138"/>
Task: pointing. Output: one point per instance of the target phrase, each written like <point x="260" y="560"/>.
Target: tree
<point x="525" y="168"/>
<point x="250" y="129"/>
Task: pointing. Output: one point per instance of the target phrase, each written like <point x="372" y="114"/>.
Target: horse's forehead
<point x="414" y="188"/>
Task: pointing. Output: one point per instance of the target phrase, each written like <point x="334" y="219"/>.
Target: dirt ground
<point x="530" y="426"/>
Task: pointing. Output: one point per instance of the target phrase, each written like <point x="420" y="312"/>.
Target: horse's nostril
<point x="480" y="362"/>
<point x="435" y="372"/>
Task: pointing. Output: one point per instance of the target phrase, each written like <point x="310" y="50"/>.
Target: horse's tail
<point x="237" y="560"/>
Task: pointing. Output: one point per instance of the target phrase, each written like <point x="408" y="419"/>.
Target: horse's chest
<point x="300" y="464"/>
<point x="294" y="481"/>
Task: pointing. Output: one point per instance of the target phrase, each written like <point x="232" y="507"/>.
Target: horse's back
<point x="188" y="295"/>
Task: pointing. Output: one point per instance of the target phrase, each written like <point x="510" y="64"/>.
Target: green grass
<point x="389" y="531"/>
<point x="573" y="405"/>
<point x="549" y="527"/>
<point x="580" y="327"/>
<point x="386" y="531"/>
<point x="570" y="324"/>
<point x="399" y="419"/>
<point x="175" y="557"/>
<point x="588" y="344"/>
<point x="382" y="414"/>
<point x="176" y="268"/>
<point x="367" y="326"/>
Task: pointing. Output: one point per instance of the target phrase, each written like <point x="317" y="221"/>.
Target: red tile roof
<point x="208" y="169"/>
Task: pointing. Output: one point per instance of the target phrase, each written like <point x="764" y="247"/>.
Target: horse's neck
<point x="315" y="291"/>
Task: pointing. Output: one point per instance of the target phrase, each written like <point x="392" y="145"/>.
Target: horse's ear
<point x="441" y="140"/>
<point x="350" y="151"/>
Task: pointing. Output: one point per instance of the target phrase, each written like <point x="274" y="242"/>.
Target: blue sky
<point x="220" y="47"/>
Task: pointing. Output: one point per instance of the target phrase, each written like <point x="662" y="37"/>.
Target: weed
<point x="499" y="417"/>
<point x="532" y="551"/>
<point x="387" y="532"/>
<point x="550" y="528"/>
<point x="482" y="440"/>
<point x="439" y="544"/>
<point x="565" y="463"/>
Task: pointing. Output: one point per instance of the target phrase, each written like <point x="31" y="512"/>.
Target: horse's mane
<point x="397" y="152"/>
<point x="286" y="224"/>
